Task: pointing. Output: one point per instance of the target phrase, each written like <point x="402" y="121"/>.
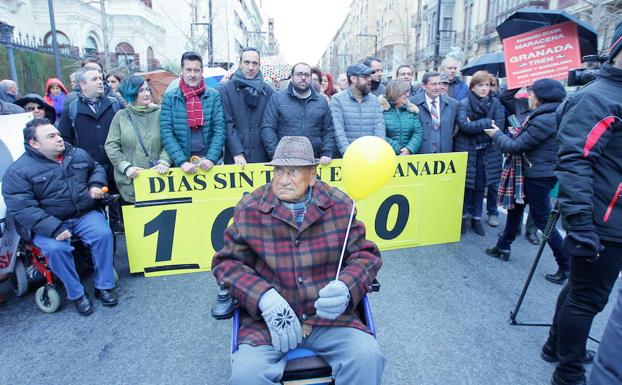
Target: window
<point x="61" y="38"/>
<point x="126" y="57"/>
<point x="90" y="47"/>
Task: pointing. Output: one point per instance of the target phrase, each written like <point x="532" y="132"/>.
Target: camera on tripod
<point x="582" y="76"/>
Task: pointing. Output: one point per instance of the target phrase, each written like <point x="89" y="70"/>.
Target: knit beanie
<point x="616" y="43"/>
<point x="548" y="90"/>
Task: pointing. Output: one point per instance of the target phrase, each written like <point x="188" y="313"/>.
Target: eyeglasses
<point x="302" y="74"/>
<point x="32" y="108"/>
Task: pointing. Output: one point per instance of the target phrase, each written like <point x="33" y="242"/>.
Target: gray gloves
<point x="282" y="322"/>
<point x="333" y="301"/>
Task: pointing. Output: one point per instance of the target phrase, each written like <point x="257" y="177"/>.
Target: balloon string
<point x="345" y="241"/>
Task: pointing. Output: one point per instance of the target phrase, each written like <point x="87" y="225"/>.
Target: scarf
<point x="299" y="209"/>
<point x="194" y="107"/>
<point x="480" y="108"/>
<point x="251" y="88"/>
<point x="93" y="103"/>
<point x="512" y="182"/>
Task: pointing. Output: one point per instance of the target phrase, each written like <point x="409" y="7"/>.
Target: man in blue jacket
<point x="457" y="89"/>
<point x="589" y="170"/>
<point x="299" y="111"/>
<point x="192" y="124"/>
<point x="51" y="192"/>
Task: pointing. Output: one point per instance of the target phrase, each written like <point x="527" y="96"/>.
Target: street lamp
<point x="375" y="41"/>
<point x="59" y="74"/>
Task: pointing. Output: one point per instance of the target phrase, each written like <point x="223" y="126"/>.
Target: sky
<point x="304" y="28"/>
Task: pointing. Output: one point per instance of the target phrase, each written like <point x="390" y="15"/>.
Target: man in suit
<point x="437" y="114"/>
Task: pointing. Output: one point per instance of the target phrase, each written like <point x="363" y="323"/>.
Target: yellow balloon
<point x="368" y="164"/>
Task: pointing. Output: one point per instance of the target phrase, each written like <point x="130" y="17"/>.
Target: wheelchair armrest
<point x="110" y="199"/>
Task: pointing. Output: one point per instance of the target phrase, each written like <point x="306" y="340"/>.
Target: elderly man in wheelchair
<point x="51" y="193"/>
<point x="279" y="260"/>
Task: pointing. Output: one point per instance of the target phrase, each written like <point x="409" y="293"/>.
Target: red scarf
<point x="193" y="102"/>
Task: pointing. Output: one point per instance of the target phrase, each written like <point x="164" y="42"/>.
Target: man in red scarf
<point x="192" y="124"/>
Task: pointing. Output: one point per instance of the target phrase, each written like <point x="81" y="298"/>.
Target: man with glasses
<point x="244" y="100"/>
<point x="299" y="111"/>
<point x="377" y="88"/>
<point x="437" y="114"/>
<point x="280" y="257"/>
<point x="355" y="111"/>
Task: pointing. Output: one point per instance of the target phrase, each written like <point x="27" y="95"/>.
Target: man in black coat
<point x="299" y="111"/>
<point x="87" y="123"/>
<point x="244" y="99"/>
<point x="51" y="192"/>
<point x="589" y="170"/>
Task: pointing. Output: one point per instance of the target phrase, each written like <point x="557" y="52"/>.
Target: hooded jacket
<point x="55" y="101"/>
<point x="589" y="165"/>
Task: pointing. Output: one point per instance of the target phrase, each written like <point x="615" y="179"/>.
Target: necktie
<point x="434" y="112"/>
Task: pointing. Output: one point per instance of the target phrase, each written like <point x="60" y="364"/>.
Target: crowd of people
<point x="106" y="130"/>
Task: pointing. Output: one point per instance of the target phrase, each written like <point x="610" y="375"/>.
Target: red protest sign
<point x="547" y="52"/>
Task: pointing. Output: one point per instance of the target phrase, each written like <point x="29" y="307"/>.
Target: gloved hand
<point x="582" y="243"/>
<point x="282" y="322"/>
<point x="333" y="301"/>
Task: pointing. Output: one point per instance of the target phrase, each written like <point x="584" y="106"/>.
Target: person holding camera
<point x="133" y="142"/>
<point x="589" y="170"/>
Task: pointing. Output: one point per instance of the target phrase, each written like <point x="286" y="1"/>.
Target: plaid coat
<point x="265" y="249"/>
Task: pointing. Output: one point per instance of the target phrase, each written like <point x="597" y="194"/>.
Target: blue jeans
<point x="537" y="191"/>
<point x="474" y="197"/>
<point x="93" y="230"/>
<point x="491" y="199"/>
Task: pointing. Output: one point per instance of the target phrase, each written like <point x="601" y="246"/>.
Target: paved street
<point x="441" y="316"/>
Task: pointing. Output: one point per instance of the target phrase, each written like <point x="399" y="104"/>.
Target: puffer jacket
<point x="589" y="165"/>
<point x="353" y="119"/>
<point x="41" y="193"/>
<point x="471" y="126"/>
<point x="402" y="125"/>
<point x="124" y="149"/>
<point x="174" y="130"/>
<point x="537" y="142"/>
<point x="287" y="114"/>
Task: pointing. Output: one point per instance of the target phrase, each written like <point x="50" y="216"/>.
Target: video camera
<point x="582" y="76"/>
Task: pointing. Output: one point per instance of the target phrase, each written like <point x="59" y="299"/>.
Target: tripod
<point x="546" y="235"/>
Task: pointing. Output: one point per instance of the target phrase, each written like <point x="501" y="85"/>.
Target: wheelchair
<point x="32" y="268"/>
<point x="304" y="366"/>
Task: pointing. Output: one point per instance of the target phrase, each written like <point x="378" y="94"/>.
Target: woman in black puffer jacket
<point x="477" y="112"/>
<point x="537" y="142"/>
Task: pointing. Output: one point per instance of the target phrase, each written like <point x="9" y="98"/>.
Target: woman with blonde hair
<point x="401" y="120"/>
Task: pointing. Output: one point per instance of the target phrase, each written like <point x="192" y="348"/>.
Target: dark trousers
<point x="585" y="295"/>
<point x="474" y="197"/>
<point x="537" y="191"/>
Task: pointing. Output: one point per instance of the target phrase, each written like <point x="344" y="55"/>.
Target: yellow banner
<point x="178" y="221"/>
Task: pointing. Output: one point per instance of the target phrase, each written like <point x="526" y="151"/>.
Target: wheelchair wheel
<point x="19" y="280"/>
<point x="47" y="303"/>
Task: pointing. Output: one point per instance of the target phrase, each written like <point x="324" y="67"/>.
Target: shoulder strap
<point x="140" y="138"/>
<point x="73" y="114"/>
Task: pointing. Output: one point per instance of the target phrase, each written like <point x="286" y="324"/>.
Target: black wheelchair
<point x="304" y="366"/>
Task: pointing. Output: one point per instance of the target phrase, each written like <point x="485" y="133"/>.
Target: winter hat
<point x="616" y="43"/>
<point x="548" y="90"/>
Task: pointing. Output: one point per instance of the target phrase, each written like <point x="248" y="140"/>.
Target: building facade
<point x="422" y="32"/>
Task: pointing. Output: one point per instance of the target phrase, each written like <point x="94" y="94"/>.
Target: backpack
<point x="73" y="114"/>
